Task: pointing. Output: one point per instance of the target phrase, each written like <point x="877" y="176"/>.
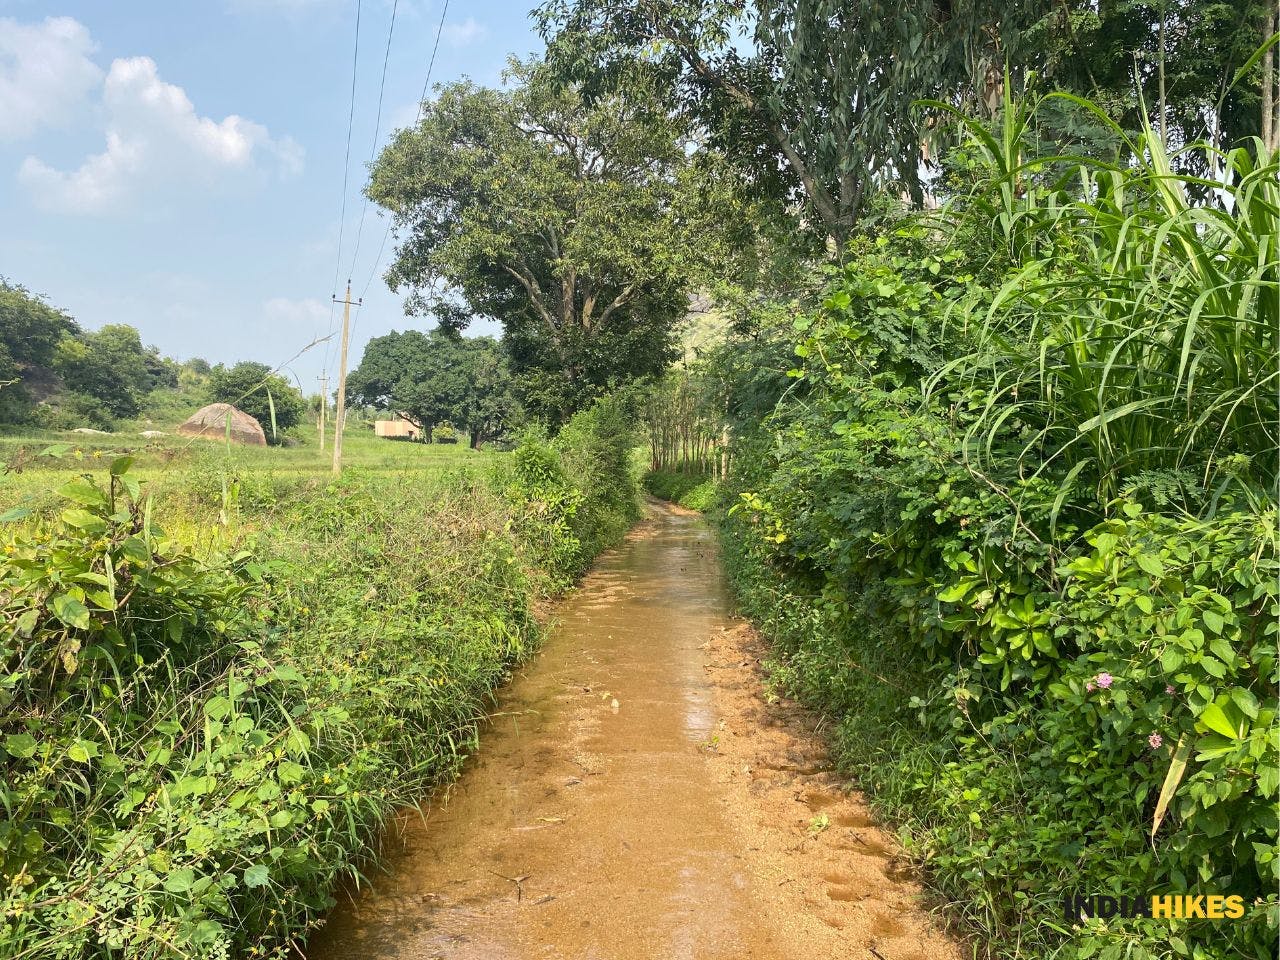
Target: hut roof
<point x="211" y="422"/>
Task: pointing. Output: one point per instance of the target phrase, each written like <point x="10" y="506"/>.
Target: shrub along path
<point x="637" y="798"/>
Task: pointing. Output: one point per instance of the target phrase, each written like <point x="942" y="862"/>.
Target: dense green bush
<point x="1014" y="524"/>
<point x="197" y="746"/>
<point x="694" y="491"/>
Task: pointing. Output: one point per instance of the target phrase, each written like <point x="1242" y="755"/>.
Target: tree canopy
<point x="30" y="331"/>
<point x="570" y="222"/>
<point x="817" y="102"/>
<point x="430" y="378"/>
<point x="247" y="385"/>
<point x="109" y="364"/>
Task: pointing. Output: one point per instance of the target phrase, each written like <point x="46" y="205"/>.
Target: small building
<point x="396" y="429"/>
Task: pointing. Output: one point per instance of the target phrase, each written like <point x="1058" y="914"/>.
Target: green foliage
<point x="1134" y="329"/>
<point x="694" y="491"/>
<point x="572" y="223"/>
<point x="109" y="365"/>
<point x="817" y="101"/>
<point x="1014" y="521"/>
<point x="56" y="376"/>
<point x="267" y="397"/>
<point x="577" y="493"/>
<point x="30" y="331"/>
<point x="198" y="746"/>
<point x="818" y="105"/>
<point x="438" y="376"/>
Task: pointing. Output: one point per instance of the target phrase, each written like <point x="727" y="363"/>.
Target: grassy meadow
<point x="35" y="461"/>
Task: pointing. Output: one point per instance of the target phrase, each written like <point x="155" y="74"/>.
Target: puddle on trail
<point x="588" y="828"/>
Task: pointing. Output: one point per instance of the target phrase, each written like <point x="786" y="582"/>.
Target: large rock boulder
<point x="211" y="423"/>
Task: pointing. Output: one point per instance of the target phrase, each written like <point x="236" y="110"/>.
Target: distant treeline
<point x="56" y="375"/>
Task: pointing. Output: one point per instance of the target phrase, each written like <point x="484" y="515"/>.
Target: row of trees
<point x="52" y="370"/>
<point x="55" y="374"/>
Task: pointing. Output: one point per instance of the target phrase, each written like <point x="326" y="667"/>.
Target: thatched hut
<point x="211" y="423"/>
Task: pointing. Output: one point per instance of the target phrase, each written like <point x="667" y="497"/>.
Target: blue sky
<point x="179" y="166"/>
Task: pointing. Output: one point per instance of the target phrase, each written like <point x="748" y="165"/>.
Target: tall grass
<point x="1136" y="329"/>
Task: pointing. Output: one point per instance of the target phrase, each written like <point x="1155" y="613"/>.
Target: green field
<point x="37" y="463"/>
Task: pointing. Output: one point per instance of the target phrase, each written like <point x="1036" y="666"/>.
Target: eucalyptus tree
<point x="579" y="226"/>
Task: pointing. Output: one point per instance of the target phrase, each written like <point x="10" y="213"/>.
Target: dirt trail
<point x="637" y="798"/>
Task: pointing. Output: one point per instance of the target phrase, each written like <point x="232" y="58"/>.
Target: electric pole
<point x="340" y="414"/>
<point x="324" y="403"/>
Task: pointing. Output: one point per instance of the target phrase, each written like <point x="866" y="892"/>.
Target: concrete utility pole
<point x="340" y="414"/>
<point x="324" y="403"/>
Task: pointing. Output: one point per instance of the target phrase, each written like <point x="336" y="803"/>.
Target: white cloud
<point x="154" y="135"/>
<point x="464" y="33"/>
<point x="308" y="313"/>
<point x="45" y="74"/>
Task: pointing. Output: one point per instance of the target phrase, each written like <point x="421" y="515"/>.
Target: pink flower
<point x="1155" y="740"/>
<point x="1104" y="680"/>
<point x="1169" y="689"/>
<point x="1090" y="686"/>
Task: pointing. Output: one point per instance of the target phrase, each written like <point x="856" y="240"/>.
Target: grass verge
<point x="202" y="734"/>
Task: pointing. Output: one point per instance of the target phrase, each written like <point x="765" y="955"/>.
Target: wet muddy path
<point x="636" y="797"/>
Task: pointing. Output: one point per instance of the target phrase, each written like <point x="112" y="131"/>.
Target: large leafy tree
<point x="253" y="388"/>
<point x="574" y="224"/>
<point x="814" y="99"/>
<point x="430" y="378"/>
<point x="109" y="365"/>
<point x="817" y="101"/>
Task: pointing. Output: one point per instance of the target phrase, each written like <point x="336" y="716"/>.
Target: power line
<point x="377" y="129"/>
<point x="426" y="84"/>
<point x="346" y="170"/>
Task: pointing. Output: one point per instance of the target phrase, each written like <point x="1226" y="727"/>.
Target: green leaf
<point x="180" y="880"/>
<point x="82" y="491"/>
<point x="82" y="751"/>
<point x="70" y="611"/>
<point x="1246" y="701"/>
<point x="20" y="745"/>
<point x="1150" y="564"/>
<point x="1172" y="778"/>
<point x="1213" y="717"/>
<point x="1222" y="650"/>
<point x="135" y="549"/>
<point x="84" y="520"/>
<point x="15" y="513"/>
<point x="957" y="591"/>
<point x="257" y="876"/>
<point x="121" y="465"/>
